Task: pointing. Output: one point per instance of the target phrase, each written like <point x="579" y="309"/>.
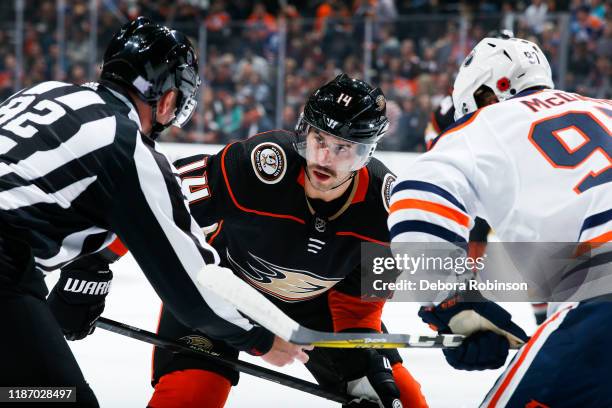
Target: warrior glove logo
<point x="269" y="162"/>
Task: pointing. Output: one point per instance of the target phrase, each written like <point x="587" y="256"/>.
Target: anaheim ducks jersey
<point x="537" y="167"/>
<point x="250" y="199"/>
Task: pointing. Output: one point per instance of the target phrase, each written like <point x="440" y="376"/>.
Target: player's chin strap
<point x="157" y="128"/>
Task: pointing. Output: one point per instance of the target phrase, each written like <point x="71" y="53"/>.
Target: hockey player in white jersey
<point x="536" y="163"/>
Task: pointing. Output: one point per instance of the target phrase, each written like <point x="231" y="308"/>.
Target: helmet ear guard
<point x="507" y="66"/>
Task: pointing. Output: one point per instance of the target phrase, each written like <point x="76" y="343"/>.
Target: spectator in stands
<point x="410" y="127"/>
<point x="259" y="25"/>
<point x="228" y="117"/>
<point x="410" y="61"/>
<point x="604" y="44"/>
<point x="598" y="81"/>
<point x="289" y="117"/>
<point x="535" y="16"/>
<point x="412" y="57"/>
<point x="218" y="23"/>
<point x="255" y="119"/>
<point x="587" y="27"/>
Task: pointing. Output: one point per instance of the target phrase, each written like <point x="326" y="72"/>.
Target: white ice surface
<point x="119" y="368"/>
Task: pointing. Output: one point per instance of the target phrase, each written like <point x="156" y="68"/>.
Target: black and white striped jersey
<point x="75" y="170"/>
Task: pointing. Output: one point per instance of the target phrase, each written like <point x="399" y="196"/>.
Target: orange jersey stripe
<point x="526" y="349"/>
<point x="442" y="210"/>
<point x="458" y="127"/>
<point x="213" y="236"/>
<point x="362" y="237"/>
<point x="231" y="194"/>
<point x="593" y="243"/>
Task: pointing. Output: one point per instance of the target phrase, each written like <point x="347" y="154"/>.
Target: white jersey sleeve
<point x="538" y="168"/>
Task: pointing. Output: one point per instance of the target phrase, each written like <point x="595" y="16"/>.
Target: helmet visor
<point x="189" y="84"/>
<point x="331" y="152"/>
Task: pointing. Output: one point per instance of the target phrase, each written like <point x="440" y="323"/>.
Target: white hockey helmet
<point x="505" y="65"/>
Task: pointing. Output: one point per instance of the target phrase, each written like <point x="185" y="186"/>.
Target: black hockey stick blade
<point x="242" y="366"/>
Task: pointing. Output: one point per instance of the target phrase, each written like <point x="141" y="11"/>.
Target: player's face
<point x="329" y="160"/>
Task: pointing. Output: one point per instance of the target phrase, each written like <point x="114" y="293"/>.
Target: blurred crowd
<point x="411" y="49"/>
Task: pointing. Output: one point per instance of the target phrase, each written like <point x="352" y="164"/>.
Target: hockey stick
<point x="247" y="368"/>
<point x="252" y="303"/>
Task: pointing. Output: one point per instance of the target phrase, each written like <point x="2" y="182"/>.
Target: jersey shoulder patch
<point x="381" y="182"/>
<point x="387" y="186"/>
<point x="270" y="155"/>
<point x="269" y="162"/>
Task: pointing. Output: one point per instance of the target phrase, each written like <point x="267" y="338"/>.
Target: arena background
<point x="259" y="61"/>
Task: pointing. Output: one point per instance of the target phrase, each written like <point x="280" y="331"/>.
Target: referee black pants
<point x="33" y="351"/>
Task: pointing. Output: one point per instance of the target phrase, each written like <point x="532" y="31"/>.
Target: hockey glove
<point x="377" y="388"/>
<point x="77" y="300"/>
<point x="489" y="329"/>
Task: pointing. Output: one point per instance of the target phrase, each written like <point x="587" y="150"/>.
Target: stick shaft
<point x="242" y="366"/>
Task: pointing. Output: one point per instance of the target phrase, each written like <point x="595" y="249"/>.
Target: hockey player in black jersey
<point x="287" y="212"/>
<point x="78" y="165"/>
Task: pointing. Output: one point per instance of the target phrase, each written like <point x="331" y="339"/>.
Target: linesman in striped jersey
<point x="78" y="167"/>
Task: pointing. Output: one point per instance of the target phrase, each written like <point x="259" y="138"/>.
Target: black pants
<point x="33" y="351"/>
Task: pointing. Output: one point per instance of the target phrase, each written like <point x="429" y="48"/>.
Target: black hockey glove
<point x="489" y="328"/>
<point x="377" y="389"/>
<point x="78" y="298"/>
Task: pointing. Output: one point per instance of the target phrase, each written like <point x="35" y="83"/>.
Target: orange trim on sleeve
<point x="459" y="127"/>
<point x="213" y="236"/>
<point x="442" y="210"/>
<point x="249" y="210"/>
<point x="361" y="237"/>
<point x="593" y="243"/>
<point x="350" y="312"/>
<point x="117" y="247"/>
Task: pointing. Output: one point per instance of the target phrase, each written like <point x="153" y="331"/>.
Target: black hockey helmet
<point x="151" y="59"/>
<point x="349" y="109"/>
